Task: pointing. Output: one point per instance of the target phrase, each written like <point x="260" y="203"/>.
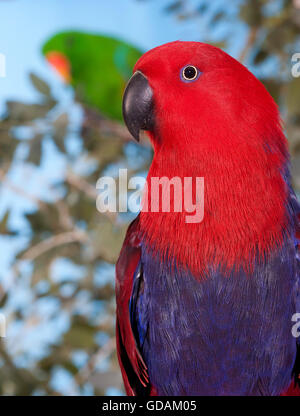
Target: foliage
<point x="65" y="229"/>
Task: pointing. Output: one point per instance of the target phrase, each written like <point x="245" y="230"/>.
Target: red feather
<point x="224" y="128"/>
<point x="292" y="390"/>
<point x="134" y="370"/>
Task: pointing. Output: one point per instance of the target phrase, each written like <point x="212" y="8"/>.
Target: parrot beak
<point x="138" y="112"/>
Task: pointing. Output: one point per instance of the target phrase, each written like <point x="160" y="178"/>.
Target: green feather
<point x="100" y="67"/>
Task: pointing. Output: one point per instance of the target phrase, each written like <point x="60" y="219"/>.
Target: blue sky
<point x="26" y="24"/>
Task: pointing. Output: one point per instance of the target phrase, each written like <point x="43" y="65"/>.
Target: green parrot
<point x="98" y="67"/>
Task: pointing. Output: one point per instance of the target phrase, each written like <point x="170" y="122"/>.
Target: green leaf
<point x="35" y="152"/>
<point x="292" y="96"/>
<point x="80" y="335"/>
<point x="40" y="85"/>
<point x="60" y="128"/>
<point x="4" y="230"/>
<point x="174" y="7"/>
<point x="22" y="112"/>
<point x="251" y="13"/>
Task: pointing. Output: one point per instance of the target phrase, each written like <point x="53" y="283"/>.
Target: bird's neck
<point x="244" y="200"/>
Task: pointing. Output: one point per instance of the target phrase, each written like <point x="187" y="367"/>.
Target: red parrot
<point x="206" y="308"/>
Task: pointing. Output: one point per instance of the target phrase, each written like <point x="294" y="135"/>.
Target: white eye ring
<point x="190" y="73"/>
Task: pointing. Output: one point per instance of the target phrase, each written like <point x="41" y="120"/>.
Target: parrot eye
<point x="190" y="73"/>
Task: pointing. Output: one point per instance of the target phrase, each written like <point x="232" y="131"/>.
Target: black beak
<point x="138" y="110"/>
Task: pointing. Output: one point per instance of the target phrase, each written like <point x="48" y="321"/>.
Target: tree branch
<point x="249" y="44"/>
<point x="104" y="352"/>
<point x="10" y="185"/>
<point x="54" y="241"/>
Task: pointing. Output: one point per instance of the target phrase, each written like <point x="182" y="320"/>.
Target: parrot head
<point x="97" y="66"/>
<point x="207" y="116"/>
<point x="181" y="89"/>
